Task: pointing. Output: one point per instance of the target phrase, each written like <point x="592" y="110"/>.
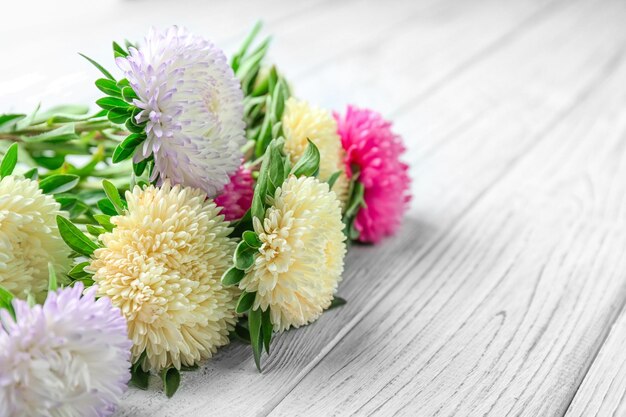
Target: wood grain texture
<point x="507" y="276"/>
<point x="503" y="312"/>
<point x="603" y="391"/>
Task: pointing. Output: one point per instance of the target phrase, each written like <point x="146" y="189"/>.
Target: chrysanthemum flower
<point x="193" y="105"/>
<point x="371" y="145"/>
<point x="236" y="197"/>
<point x="29" y="237"/>
<point x="298" y="266"/>
<point x="69" y="357"/>
<point x="301" y="121"/>
<point x="162" y="267"/>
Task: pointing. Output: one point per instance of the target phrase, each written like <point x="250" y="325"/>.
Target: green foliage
<point x="8" y="161"/>
<point x="60" y="183"/>
<point x="265" y="91"/>
<point x="52" y="278"/>
<point x="114" y="196"/>
<point x="139" y="377"/>
<point x="232" y="276"/>
<point x="245" y="302"/>
<point x="6" y="297"/>
<point x="171" y="381"/>
<point x="354" y="203"/>
<point x="337" y="302"/>
<point x="256" y="337"/>
<point x="309" y="163"/>
<point x="74" y="238"/>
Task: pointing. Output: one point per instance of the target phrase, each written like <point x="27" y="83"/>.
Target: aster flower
<point x="68" y="357"/>
<point x="29" y="237"/>
<point x="192" y="108"/>
<point x="303" y="122"/>
<point x="299" y="263"/>
<point x="161" y="265"/>
<point x="371" y="145"/>
<point x="236" y="197"/>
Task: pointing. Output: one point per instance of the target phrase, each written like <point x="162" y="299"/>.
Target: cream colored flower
<point x="162" y="266"/>
<point x="29" y="237"/>
<point x="302" y="121"/>
<point x="298" y="267"/>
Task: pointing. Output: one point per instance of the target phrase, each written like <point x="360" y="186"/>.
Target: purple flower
<point x="69" y="356"/>
<point x="192" y="104"/>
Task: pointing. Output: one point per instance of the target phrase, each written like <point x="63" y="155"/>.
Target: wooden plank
<point x="603" y="391"/>
<point x="510" y="295"/>
<point x="229" y="384"/>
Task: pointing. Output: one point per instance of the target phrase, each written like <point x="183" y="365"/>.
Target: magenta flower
<point x="69" y="356"/>
<point x="236" y="198"/>
<point x="371" y="145"/>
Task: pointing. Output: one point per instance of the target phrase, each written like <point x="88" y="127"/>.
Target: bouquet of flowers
<point x="202" y="203"/>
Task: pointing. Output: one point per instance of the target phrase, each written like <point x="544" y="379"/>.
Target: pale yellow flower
<point x="162" y="266"/>
<point x="301" y="121"/>
<point x="29" y="237"/>
<point x="298" y="266"/>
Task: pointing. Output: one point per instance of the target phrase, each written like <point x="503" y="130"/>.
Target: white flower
<point x="162" y="266"/>
<point x="29" y="237"/>
<point x="69" y="357"/>
<point x="193" y="105"/>
<point x="300" y="262"/>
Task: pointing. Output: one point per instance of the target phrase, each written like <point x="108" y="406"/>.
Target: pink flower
<point x="236" y="198"/>
<point x="372" y="146"/>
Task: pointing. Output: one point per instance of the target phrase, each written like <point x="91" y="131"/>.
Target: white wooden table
<point x="503" y="294"/>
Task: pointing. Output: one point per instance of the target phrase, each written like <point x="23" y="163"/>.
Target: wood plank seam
<point x="609" y="67"/>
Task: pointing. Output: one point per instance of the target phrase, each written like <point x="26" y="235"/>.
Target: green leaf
<point x="78" y="271"/>
<point x="32" y="174"/>
<point x="119" y="51"/>
<point x="244" y="256"/>
<point x="232" y="276"/>
<point x="133" y="127"/>
<point x="337" y="302"/>
<point x="100" y="67"/>
<point x="256" y="340"/>
<point x="140" y="167"/>
<point x="129" y="94"/>
<point x="241" y="333"/>
<point x="114" y="196"/>
<point x="267" y="329"/>
<point x="356" y="200"/>
<point x="107" y="207"/>
<point x="126" y="149"/>
<point x="13" y="118"/>
<point x="108" y="103"/>
<point x="252" y="239"/>
<point x="52" y="278"/>
<point x="104" y="220"/>
<point x="333" y="179"/>
<point x="9" y="161"/>
<point x="121" y="154"/>
<point x="108" y="87"/>
<point x="6" y="299"/>
<point x="246" y="299"/>
<point x="245" y="45"/>
<point x="309" y="163"/>
<point x="60" y="183"/>
<point x="119" y="116"/>
<point x="74" y="238"/>
<point x="139" y="377"/>
<point x="95" y="230"/>
<point x="171" y="381"/>
<point x="61" y="134"/>
<point x="50" y="163"/>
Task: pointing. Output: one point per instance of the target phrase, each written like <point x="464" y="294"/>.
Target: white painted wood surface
<point x="500" y="291"/>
